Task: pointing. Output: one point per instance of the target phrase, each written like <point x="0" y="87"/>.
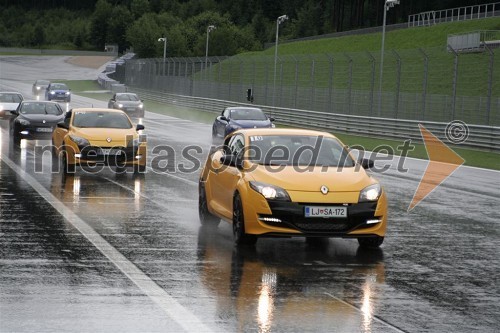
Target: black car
<point x="128" y="102"/>
<point x="58" y="92"/>
<point x="39" y="87"/>
<point x="35" y="120"/>
<point x="233" y="118"/>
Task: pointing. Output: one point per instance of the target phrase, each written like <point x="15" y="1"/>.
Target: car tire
<point x="67" y="168"/>
<point x="241" y="238"/>
<point x="139" y="169"/>
<point x="370" y="242"/>
<point x="206" y="218"/>
<point x="16" y="139"/>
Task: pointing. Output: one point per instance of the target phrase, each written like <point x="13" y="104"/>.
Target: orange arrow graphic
<point x="442" y="163"/>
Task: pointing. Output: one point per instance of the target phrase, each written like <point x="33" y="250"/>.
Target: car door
<point x="221" y="124"/>
<point x="111" y="103"/>
<point x="225" y="180"/>
<point x="61" y="131"/>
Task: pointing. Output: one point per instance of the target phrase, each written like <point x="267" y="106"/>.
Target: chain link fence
<point x="419" y="84"/>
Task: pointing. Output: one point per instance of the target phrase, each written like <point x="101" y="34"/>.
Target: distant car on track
<point x="91" y="137"/>
<point x="128" y="102"/>
<point x="291" y="183"/>
<point x="9" y="101"/>
<point x="39" y="87"/>
<point x="35" y="120"/>
<point x="58" y="92"/>
<point x="233" y="118"/>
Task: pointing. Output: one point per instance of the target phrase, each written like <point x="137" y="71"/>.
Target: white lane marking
<point x="172" y="308"/>
<point x="381" y="321"/>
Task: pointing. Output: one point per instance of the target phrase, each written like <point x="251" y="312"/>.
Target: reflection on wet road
<point x="124" y="253"/>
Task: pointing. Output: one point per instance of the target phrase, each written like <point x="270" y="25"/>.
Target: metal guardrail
<point x="479" y="137"/>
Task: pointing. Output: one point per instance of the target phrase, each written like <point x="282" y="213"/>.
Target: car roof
<point x="126" y="93"/>
<point x="283" y="131"/>
<point x="96" y="110"/>
<point x="35" y="101"/>
<point x="243" y="108"/>
<point x="10" y="92"/>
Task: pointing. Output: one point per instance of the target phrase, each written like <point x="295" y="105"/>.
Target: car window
<point x="236" y="144"/>
<point x="101" y="120"/>
<point x="127" y="97"/>
<point x="225" y="113"/>
<point x="10" y="98"/>
<point x="42" y="83"/>
<point x="248" y="114"/>
<point x="298" y="150"/>
<point x="40" y="108"/>
<point x="59" y="86"/>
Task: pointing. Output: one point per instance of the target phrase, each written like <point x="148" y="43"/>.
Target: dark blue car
<point x="58" y="92"/>
<point x="234" y="118"/>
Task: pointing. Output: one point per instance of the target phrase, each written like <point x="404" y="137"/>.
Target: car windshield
<point x="127" y="97"/>
<point x="10" y="98"/>
<point x="42" y="83"/>
<point x="41" y="108"/>
<point x="247" y="114"/>
<point x="59" y="86"/>
<point x="101" y="120"/>
<point x="298" y="150"/>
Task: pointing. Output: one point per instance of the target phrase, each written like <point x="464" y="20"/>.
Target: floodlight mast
<point x="279" y="20"/>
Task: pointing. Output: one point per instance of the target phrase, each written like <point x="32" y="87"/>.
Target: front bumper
<point x="92" y="155"/>
<point x="271" y="218"/>
<point x="35" y="132"/>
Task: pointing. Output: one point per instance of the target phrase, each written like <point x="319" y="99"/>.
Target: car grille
<point x="292" y="216"/>
<point x="94" y="153"/>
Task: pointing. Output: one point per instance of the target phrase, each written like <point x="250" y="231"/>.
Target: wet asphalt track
<point x="122" y="253"/>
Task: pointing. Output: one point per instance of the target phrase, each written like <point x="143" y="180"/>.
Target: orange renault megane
<point x="289" y="182"/>
<point x="93" y="137"/>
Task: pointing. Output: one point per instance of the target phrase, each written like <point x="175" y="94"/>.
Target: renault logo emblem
<point x="108" y="140"/>
<point x="324" y="189"/>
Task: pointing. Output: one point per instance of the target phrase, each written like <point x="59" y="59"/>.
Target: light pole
<point x="209" y="28"/>
<point x="279" y="20"/>
<point x="387" y="4"/>
<point x="164" y="40"/>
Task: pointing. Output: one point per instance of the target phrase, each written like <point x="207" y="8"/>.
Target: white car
<point x="9" y="101"/>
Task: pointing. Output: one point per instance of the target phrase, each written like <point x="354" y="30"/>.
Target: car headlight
<point x="272" y="125"/>
<point x="52" y="92"/>
<point x="120" y="105"/>
<point x="67" y="93"/>
<point x="141" y="106"/>
<point x="23" y="122"/>
<point x="270" y="191"/>
<point x="370" y="193"/>
<point x="81" y="142"/>
<point x="37" y="88"/>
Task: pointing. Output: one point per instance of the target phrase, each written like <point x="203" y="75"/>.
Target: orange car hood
<point x="99" y="136"/>
<point x="293" y="179"/>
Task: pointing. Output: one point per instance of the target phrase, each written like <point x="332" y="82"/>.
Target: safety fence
<point x="474" y="136"/>
<point x="420" y="84"/>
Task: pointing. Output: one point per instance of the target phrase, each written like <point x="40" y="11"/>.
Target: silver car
<point x="128" y="102"/>
<point x="9" y="101"/>
<point x="39" y="87"/>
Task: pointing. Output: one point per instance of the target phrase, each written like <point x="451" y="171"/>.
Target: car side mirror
<point x="14" y="113"/>
<point x="272" y="119"/>
<point x="367" y="163"/>
<point x="62" y="124"/>
<point x="223" y="118"/>
<point x="139" y="127"/>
